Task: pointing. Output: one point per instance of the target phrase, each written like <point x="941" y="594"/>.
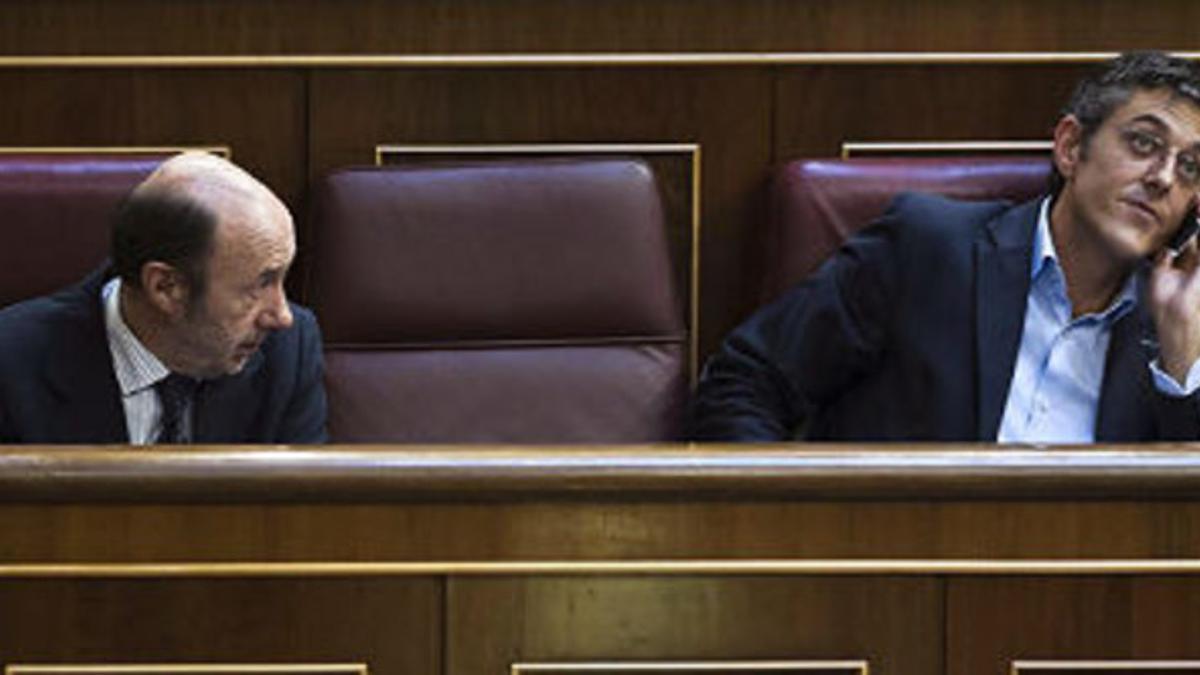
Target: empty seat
<point x="56" y="215"/>
<point x="498" y="301"/>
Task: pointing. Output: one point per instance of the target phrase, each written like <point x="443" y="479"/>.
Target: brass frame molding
<point x="851" y="149"/>
<point x="551" y="60"/>
<point x="666" y="568"/>
<point x="690" y="150"/>
<point x="187" y="669"/>
<point x="804" y="667"/>
<point x="1101" y="666"/>
<point x="220" y="150"/>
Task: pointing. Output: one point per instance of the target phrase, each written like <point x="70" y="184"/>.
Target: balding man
<point x="186" y="337"/>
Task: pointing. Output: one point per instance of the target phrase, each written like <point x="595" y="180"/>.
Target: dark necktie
<point x="175" y="392"/>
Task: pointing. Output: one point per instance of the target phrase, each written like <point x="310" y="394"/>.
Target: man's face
<point x="244" y="300"/>
<point x="1131" y="185"/>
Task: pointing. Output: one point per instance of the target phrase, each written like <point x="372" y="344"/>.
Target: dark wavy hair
<point x="1100" y="93"/>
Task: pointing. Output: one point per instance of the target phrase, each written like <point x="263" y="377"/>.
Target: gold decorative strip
<point x="219" y="150"/>
<point x="606" y="567"/>
<point x="383" y="151"/>
<point x="682" y="667"/>
<point x="853" y="148"/>
<point x="534" y="60"/>
<point x="1049" y="667"/>
<point x="188" y="669"/>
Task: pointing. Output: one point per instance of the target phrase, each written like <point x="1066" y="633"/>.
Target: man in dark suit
<point x="186" y="337"/>
<point x="1067" y="319"/>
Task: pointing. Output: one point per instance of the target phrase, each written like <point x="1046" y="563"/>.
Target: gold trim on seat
<point x="1158" y="667"/>
<point x="909" y="148"/>
<point x="187" y="669"/>
<point x="219" y="150"/>
<point x="857" y="667"/>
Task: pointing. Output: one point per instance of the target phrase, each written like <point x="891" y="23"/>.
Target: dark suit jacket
<point x="57" y="383"/>
<point x="911" y="332"/>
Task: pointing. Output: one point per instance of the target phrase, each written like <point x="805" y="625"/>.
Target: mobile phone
<point x="1187" y="230"/>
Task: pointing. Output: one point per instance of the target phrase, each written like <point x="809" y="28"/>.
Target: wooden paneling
<point x="993" y="622"/>
<point x="439" y="26"/>
<point x="574" y="531"/>
<point x="820" y="107"/>
<point x="725" y="110"/>
<point x="258" y="114"/>
<point x="392" y="625"/>
<point x="988" y="594"/>
<point x="434" y="503"/>
<point x="893" y="623"/>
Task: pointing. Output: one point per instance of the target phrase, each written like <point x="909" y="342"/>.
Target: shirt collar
<point x="1044" y="252"/>
<point x="136" y="367"/>
<point x="1046" y="256"/>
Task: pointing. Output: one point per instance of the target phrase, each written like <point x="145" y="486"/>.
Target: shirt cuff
<point x="1165" y="384"/>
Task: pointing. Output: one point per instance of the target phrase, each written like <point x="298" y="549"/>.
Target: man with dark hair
<point x="1067" y="319"/>
<point x="188" y="335"/>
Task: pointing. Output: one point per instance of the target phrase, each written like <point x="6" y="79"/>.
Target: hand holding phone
<point x="1174" y="299"/>
<point x="1187" y="230"/>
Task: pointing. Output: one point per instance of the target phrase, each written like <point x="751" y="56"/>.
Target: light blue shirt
<point x="1055" y="390"/>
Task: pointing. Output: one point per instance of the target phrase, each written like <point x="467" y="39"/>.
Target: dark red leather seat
<point x="54" y="216"/>
<point x="503" y="301"/>
<point x="816" y="204"/>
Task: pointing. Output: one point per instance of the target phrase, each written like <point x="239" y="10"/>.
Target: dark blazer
<point x="911" y="332"/>
<point x="57" y="383"/>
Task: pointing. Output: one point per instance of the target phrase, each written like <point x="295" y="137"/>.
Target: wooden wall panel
<point x="894" y="623"/>
<point x="820" y="107"/>
<point x="994" y="621"/>
<point x="466" y="26"/>
<point x="259" y="114"/>
<point x="725" y="110"/>
<point x="570" y="530"/>
<point x="393" y="625"/>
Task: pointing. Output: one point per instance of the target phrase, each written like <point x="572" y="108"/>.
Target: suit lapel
<point x="1002" y="258"/>
<point x="80" y="373"/>
<point x="1121" y="413"/>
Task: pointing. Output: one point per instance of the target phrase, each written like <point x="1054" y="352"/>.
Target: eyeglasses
<point x="1150" y="145"/>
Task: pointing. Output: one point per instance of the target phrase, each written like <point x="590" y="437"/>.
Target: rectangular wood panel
<point x="465" y="26"/>
<point x="391" y="626"/>
<point x="995" y="622"/>
<point x="892" y="623"/>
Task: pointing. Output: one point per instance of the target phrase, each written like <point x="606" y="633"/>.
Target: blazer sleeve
<point x="1177" y="418"/>
<point x="803" y="350"/>
<point x="304" y="420"/>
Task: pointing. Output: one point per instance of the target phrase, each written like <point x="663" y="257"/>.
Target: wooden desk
<point x="460" y="560"/>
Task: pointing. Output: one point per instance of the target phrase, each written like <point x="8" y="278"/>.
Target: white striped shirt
<point x="137" y="371"/>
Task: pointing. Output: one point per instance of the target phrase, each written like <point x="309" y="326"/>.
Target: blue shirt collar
<point x="1045" y="256"/>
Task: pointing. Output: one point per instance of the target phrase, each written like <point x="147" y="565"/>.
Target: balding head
<point x="202" y="249"/>
<point x="173" y="215"/>
<point x="219" y="185"/>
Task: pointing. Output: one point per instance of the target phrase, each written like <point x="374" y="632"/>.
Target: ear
<point x="1068" y="145"/>
<point x="165" y="288"/>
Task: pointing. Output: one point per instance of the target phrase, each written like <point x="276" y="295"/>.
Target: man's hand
<point x="1174" y="299"/>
